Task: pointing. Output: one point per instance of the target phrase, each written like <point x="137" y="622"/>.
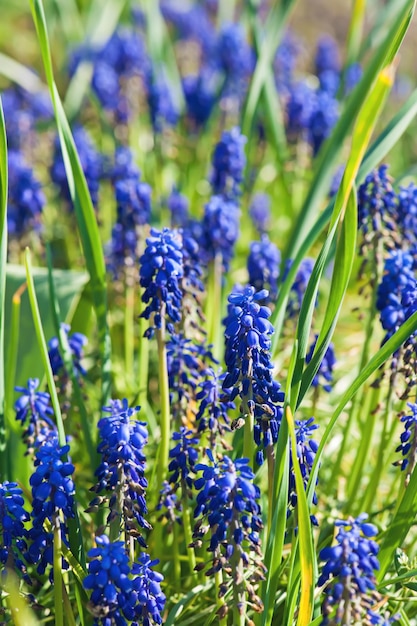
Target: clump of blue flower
<point x="220" y="230"/>
<point x="260" y="212"/>
<point x="306" y="452"/>
<point x="214" y="405"/>
<point x="121" y="474"/>
<point x="33" y="410"/>
<point x="228" y="511"/>
<point x="248" y="360"/>
<point x="349" y="571"/>
<point x="324" y="375"/>
<point x="76" y="343"/>
<point x="13" y="518"/>
<point x="121" y="593"/>
<point x="161" y="271"/>
<point x="408" y="445"/>
<point x="263" y="266"/>
<point x="26" y="198"/>
<point x="228" y="164"/>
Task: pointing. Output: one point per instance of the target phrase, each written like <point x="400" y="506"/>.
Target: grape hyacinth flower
<point x="228" y="510"/>
<point x="121" y="593"/>
<point x="52" y="500"/>
<point x="26" y="199"/>
<point x="263" y="266"/>
<point x="92" y="164"/>
<point x="324" y="375"/>
<point x="260" y="212"/>
<point x="13" y="518"/>
<point x="408" y="445"/>
<point x="377" y="207"/>
<point x="299" y="286"/>
<point x="220" y="230"/>
<point x="162" y="108"/>
<point x="229" y="162"/>
<point x="76" y="343"/>
<point x="349" y="571"/>
<point x="161" y="271"/>
<point x="306" y="452"/>
<point x="285" y="61"/>
<point x="236" y="59"/>
<point x="249" y="368"/>
<point x="184" y="456"/>
<point x="33" y="410"/>
<point x="200" y="97"/>
<point x="121" y="474"/>
<point x="322" y="119"/>
<point x="407" y="215"/>
<point x="214" y="405"/>
<point x="327" y="56"/>
<point x="178" y="205"/>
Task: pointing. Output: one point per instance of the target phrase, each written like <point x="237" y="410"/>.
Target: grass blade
<point x="3" y="259"/>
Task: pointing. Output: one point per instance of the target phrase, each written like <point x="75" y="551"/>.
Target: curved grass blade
<point x="84" y="211"/>
<point x="382" y="57"/>
<point x="185" y="601"/>
<point x="305" y="538"/>
<point x="3" y="259"/>
<point x="20" y="74"/>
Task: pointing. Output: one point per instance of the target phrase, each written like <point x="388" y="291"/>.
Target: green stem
<point x="58" y="582"/>
<point x="220" y="603"/>
<point x="355" y="32"/>
<point x="69" y="615"/>
<point x="164" y="401"/>
<point x="239" y="595"/>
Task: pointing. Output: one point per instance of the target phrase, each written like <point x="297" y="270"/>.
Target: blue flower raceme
<point x="162" y="108"/>
<point x="324" y="375"/>
<point x="248" y="361"/>
<point x="285" y="61"/>
<point x="183" y="457"/>
<point x="13" y="518"/>
<point x="220" y="230"/>
<point x="229" y="161"/>
<point x="407" y="214"/>
<point x="200" y="97"/>
<point x="161" y="271"/>
<point x="178" y="205"/>
<point x="33" y="410"/>
<point x="76" y="342"/>
<point x="213" y="405"/>
<point x="408" y="445"/>
<point x="349" y="571"/>
<point x="299" y="286"/>
<point x="92" y="164"/>
<point x="260" y="212"/>
<point x="327" y="56"/>
<point x="121" y="593"/>
<point x="235" y="58"/>
<point x="52" y="499"/>
<point x="25" y="200"/>
<point x="377" y="207"/>
<point x="121" y="474"/>
<point x="228" y="511"/>
<point x="306" y="452"/>
<point x="263" y="266"/>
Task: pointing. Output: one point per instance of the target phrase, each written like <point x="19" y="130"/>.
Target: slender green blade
<point x="3" y="258"/>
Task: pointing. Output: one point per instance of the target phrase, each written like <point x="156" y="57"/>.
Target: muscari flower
<point x="306" y="452"/>
<point x="76" y="343"/>
<point x="178" y="205"/>
<point x="122" y="594"/>
<point x="299" y="286"/>
<point x="220" y="230"/>
<point x="260" y="212"/>
<point x="33" y="410"/>
<point x="52" y="499"/>
<point x="263" y="266"/>
<point x="249" y="368"/>
<point x="228" y="511"/>
<point x="92" y="164"/>
<point x="25" y="200"/>
<point x="407" y="215"/>
<point x="377" y="207"/>
<point x="22" y="110"/>
<point x="184" y="456"/>
<point x="349" y="571"/>
<point x="200" y="96"/>
<point x="235" y="58"/>
<point x="228" y="162"/>
<point x="324" y="375"/>
<point x="408" y="445"/>
<point x="322" y="119"/>
<point x="214" y="404"/>
<point x="161" y="270"/>
<point x="121" y="474"/>
<point x="13" y="518"/>
<point x="162" y="108"/>
<point x="327" y="55"/>
<point x="285" y="60"/>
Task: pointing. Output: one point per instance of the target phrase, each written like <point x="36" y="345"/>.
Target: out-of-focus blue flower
<point x="285" y="61"/>
<point x="352" y="76"/>
<point x="260" y="212"/>
<point x="300" y="106"/>
<point x="178" y="204"/>
<point x="248" y="360"/>
<point x="122" y="594"/>
<point x="220" y="230"/>
<point x="124" y="167"/>
<point x="121" y="473"/>
<point x="169" y="504"/>
<point x="13" y="517"/>
<point x="192" y="23"/>
<point x="407" y="214"/>
<point x="25" y="200"/>
<point x="329" y="82"/>
<point x="200" y="96"/>
<point x="161" y="270"/>
<point x="377" y="206"/>
<point x="306" y="452"/>
<point x="227" y="504"/>
<point x="381" y="620"/>
<point x="34" y="405"/>
<point x="263" y="266"/>
<point x="327" y="55"/>
<point x="324" y="375"/>
<point x="214" y="404"/>
<point x="184" y="456"/>
<point x="408" y="445"/>
<point x="162" y="108"/>
<point x="76" y="342"/>
<point x="228" y="164"/>
<point x="299" y="286"/>
<point x="22" y="110"/>
<point x="322" y="119"/>
<point x="92" y="164"/>
<point x="350" y="568"/>
<point x="52" y="497"/>
<point x="336" y="182"/>
<point x="236" y="57"/>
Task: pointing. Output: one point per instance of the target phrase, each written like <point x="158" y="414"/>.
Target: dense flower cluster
<point x="324" y="375"/>
<point x="22" y="111"/>
<point x="306" y="452"/>
<point x="260" y="212"/>
<point x="248" y="361"/>
<point x="33" y="410"/>
<point x="220" y="230"/>
<point x="263" y="266"/>
<point x="377" y="206"/>
<point x="161" y="270"/>
<point x="183" y="457"/>
<point x="162" y="108"/>
<point x="92" y="164"/>
<point x="349" y="570"/>
<point x="408" y="445"/>
<point x="25" y="200"/>
<point x="228" y="164"/>
<point x="121" y="593"/>
<point x="227" y="508"/>
<point x="121" y="473"/>
<point x="76" y="343"/>
<point x="13" y="517"/>
<point x="299" y="286"/>
<point x="214" y="404"/>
